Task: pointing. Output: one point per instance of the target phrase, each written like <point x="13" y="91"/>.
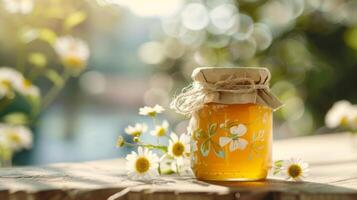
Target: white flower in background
<point x="73" y="52"/>
<point x="235" y="141"/>
<point x="120" y="141"/>
<point x="26" y="88"/>
<point x="8" y="78"/>
<point x="194" y="146"/>
<point x="18" y="6"/>
<point x="142" y="165"/>
<point x="294" y="169"/>
<point x="179" y="147"/>
<point x="136" y="130"/>
<point x="160" y="130"/>
<point x="15" y="138"/>
<point x="182" y="166"/>
<point x="340" y="114"/>
<point x="151" y="111"/>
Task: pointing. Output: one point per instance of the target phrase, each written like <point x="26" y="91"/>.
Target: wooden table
<point x="333" y="175"/>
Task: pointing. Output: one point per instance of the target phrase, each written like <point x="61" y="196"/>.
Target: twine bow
<point x="192" y="97"/>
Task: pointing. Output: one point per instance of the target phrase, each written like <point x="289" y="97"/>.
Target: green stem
<point x="149" y="146"/>
<point x="50" y="96"/>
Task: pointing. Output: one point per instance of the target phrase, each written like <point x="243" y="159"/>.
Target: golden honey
<point x="232" y="142"/>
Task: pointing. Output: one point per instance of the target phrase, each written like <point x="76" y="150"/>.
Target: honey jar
<point x="231" y="122"/>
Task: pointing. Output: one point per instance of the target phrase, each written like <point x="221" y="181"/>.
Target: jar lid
<point x="259" y="75"/>
<point x="226" y="85"/>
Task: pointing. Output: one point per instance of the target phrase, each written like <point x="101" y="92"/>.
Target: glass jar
<point x="231" y="122"/>
<point x="232" y="142"/>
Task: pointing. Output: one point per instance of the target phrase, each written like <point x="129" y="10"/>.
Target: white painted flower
<point x="235" y="141"/>
<point x="142" y="165"/>
<point x="136" y="130"/>
<point x="151" y="111"/>
<point x="294" y="169"/>
<point x="160" y="130"/>
<point x="15" y="138"/>
<point x="339" y="114"/>
<point x="73" y="52"/>
<point x="179" y="147"/>
<point x="18" y="6"/>
<point x="182" y="166"/>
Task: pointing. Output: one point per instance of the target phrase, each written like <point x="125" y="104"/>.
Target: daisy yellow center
<point x="344" y="121"/>
<point x="6" y="83"/>
<point x="27" y="83"/>
<point x="152" y="113"/>
<point x="178" y="149"/>
<point x="161" y="131"/>
<point x="136" y="133"/>
<point x="142" y="165"/>
<point x="294" y="171"/>
<point x="74" y="61"/>
<point x="15" y="138"/>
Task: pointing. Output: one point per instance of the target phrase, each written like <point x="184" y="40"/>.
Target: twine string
<point x="192" y="97"/>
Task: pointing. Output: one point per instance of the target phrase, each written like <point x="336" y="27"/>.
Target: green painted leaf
<point x="212" y="129"/>
<point x="218" y="150"/>
<point x="205" y="148"/>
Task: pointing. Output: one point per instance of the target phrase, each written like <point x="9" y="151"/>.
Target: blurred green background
<point x="143" y="52"/>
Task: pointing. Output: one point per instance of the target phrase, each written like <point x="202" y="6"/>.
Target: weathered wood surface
<point x="333" y="175"/>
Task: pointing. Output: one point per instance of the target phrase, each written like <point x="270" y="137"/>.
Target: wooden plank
<point x="333" y="176"/>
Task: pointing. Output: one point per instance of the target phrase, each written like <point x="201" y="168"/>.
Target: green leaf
<point x="54" y="77"/>
<point x="74" y="19"/>
<point x="278" y="163"/>
<point x="212" y="129"/>
<point x="37" y="59"/>
<point x="16" y="118"/>
<point x="48" y="35"/>
<point x="205" y="148"/>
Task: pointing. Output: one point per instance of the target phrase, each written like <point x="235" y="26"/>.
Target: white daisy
<point x="338" y="114"/>
<point x="15" y="138"/>
<point x="142" y="165"/>
<point x="136" y="130"/>
<point x="294" y="169"/>
<point x="179" y="147"/>
<point x="120" y="141"/>
<point x="151" y="111"/>
<point x="160" y="130"/>
<point x="165" y="164"/>
<point x="26" y="88"/>
<point x="18" y="6"/>
<point x="235" y="141"/>
<point x="182" y="166"/>
<point x="73" y="52"/>
<point x="8" y="79"/>
<point x="194" y="146"/>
